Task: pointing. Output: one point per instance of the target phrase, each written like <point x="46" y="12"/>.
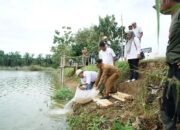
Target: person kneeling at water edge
<point x="88" y="78"/>
<point x="108" y="75"/>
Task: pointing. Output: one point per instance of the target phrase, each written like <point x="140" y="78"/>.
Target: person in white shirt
<point x="137" y="31"/>
<point x="132" y="54"/>
<point x="106" y="54"/>
<point x="88" y="78"/>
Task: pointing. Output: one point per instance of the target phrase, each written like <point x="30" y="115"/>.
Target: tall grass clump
<point x="90" y="68"/>
<point x="64" y="93"/>
<point x="124" y="70"/>
<point x="35" y="68"/>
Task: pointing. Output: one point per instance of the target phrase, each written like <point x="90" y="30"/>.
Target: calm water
<point x="25" y="102"/>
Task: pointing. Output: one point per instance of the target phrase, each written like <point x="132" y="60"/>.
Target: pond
<point x="25" y="102"/>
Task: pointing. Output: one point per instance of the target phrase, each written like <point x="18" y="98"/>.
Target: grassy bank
<point x="62" y="92"/>
<point x="141" y="113"/>
<point x="27" y="68"/>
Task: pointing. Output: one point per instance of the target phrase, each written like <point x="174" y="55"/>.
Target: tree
<point x="109" y="27"/>
<point x="1" y="57"/>
<point x="28" y="58"/>
<point x="62" y="43"/>
<point x="85" y="38"/>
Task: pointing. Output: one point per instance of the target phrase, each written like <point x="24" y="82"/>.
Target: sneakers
<point x="133" y="80"/>
<point x="130" y="80"/>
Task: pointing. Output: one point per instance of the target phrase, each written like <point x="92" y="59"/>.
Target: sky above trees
<point x="28" y="25"/>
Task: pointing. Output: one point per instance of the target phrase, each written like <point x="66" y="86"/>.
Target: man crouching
<point x="108" y="75"/>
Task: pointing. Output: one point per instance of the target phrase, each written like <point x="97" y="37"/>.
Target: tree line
<point x="13" y="59"/>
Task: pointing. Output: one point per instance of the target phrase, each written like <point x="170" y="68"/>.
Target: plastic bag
<point x="85" y="96"/>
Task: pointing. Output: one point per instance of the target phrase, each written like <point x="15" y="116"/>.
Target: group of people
<point x="104" y="81"/>
<point x="109" y="74"/>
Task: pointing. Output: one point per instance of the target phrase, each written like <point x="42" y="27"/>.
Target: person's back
<point x="89" y="76"/>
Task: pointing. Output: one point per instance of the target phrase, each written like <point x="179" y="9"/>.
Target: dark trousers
<point x="133" y="65"/>
<point x="170" y="107"/>
<point x="90" y="86"/>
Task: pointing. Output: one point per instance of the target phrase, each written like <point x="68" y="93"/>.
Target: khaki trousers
<point x="110" y="82"/>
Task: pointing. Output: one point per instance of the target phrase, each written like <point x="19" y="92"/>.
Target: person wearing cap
<point x="105" y="39"/>
<point x="88" y="78"/>
<point x="137" y="31"/>
<point x="108" y="75"/>
<point x="106" y="54"/>
<point x="170" y="105"/>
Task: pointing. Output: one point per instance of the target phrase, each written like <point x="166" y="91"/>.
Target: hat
<point x="78" y="72"/>
<point x="104" y="37"/>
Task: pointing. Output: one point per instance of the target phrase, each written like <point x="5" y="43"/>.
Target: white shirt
<point x="137" y="31"/>
<point x="89" y="76"/>
<point x="133" y="54"/>
<point x="107" y="56"/>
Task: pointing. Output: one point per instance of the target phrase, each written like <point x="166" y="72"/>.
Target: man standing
<point x="108" y="75"/>
<point x="88" y="78"/>
<point x="137" y="31"/>
<point x="84" y="56"/>
<point x="106" y="54"/>
<point x="170" y="107"/>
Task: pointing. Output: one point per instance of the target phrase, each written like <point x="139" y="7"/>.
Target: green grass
<point x="117" y="125"/>
<point x="124" y="70"/>
<point x="64" y="94"/>
<point x="90" y="68"/>
<point x="35" y="68"/>
<point x="94" y="121"/>
<point x="69" y="72"/>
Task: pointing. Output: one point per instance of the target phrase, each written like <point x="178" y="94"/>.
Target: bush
<point x="124" y="70"/>
<point x="69" y="72"/>
<point x="64" y="94"/>
<point x="35" y="68"/>
<point x="90" y="68"/>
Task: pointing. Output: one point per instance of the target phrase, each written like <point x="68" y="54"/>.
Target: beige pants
<point x="110" y="82"/>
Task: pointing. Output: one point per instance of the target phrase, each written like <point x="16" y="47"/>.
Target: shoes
<point x="128" y="81"/>
<point x="105" y="97"/>
<point x="133" y="80"/>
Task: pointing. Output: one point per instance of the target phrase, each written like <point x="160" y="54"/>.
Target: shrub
<point x="124" y="70"/>
<point x="64" y="94"/>
<point x="35" y="68"/>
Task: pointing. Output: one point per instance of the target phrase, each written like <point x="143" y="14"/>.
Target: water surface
<point x="25" y="101"/>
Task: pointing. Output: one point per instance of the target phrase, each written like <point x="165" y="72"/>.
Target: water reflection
<point x="25" y="102"/>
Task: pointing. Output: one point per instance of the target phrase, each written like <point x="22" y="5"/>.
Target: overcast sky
<point x="28" y="25"/>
